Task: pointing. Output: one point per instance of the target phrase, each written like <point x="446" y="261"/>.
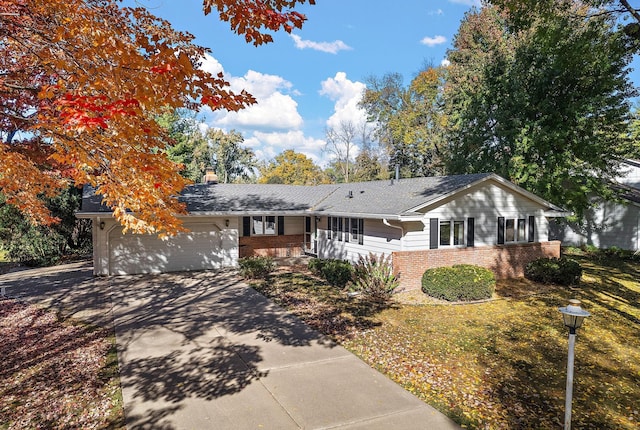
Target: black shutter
<point x="470" y="231"/>
<point x="434" y="239"/>
<point x="307" y="224"/>
<point x="360" y="231"/>
<point x="280" y="225"/>
<point x="328" y="227"/>
<point x="500" y="230"/>
<point x="246" y="226"/>
<point x="340" y="229"/>
<point x="532" y="229"/>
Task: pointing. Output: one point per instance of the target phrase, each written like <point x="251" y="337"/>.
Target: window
<point x="458" y="232"/>
<point x="445" y="233"/>
<point x="521" y="232"/>
<point x="347" y="229"/>
<point x="263" y="225"/>
<point x="451" y="232"/>
<point x="354" y="230"/>
<point x="513" y="230"/>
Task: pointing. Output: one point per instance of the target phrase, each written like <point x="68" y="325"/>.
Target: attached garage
<point x="209" y="244"/>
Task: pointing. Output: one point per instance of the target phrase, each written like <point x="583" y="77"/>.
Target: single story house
<point x="607" y="223"/>
<point x="420" y="222"/>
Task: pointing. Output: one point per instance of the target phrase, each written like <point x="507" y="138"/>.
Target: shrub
<point x="337" y="272"/>
<point x="561" y="271"/>
<point x="373" y="276"/>
<point x="256" y="267"/>
<point x="461" y="282"/>
<point x="315" y="266"/>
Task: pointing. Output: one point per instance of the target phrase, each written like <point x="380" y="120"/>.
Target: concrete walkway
<point x="204" y="351"/>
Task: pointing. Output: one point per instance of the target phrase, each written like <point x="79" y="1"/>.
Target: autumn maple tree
<point x="81" y="85"/>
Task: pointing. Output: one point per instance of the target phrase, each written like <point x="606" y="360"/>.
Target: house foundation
<point x="506" y="261"/>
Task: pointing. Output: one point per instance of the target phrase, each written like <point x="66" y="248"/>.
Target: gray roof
<point x="375" y="198"/>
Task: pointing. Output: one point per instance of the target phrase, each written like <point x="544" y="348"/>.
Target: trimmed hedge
<point x="336" y="272"/>
<point x="560" y="271"/>
<point x="462" y="282"/>
<point x="256" y="267"/>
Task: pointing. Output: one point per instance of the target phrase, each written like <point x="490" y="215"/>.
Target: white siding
<point x="630" y="175"/>
<point x="416" y="236"/>
<point x="378" y="238"/>
<point x="607" y="224"/>
<point x="485" y="203"/>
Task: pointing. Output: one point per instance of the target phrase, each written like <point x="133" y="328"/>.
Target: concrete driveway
<point x="202" y="350"/>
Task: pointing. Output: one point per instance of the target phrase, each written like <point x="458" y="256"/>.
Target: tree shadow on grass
<point x="323" y="307"/>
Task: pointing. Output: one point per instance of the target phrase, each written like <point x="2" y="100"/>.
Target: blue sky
<point x="313" y="79"/>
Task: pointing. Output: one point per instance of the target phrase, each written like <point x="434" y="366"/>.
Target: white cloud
<point x="346" y="94"/>
<point x="273" y="124"/>
<point x="329" y="47"/>
<point x="445" y="63"/>
<point x="433" y="41"/>
<point x="267" y="145"/>
<point x="275" y="109"/>
<point x="435" y="12"/>
<point x="476" y="3"/>
<point x="211" y="65"/>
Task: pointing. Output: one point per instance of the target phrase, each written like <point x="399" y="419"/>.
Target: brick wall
<point x="272" y="246"/>
<point x="506" y="261"/>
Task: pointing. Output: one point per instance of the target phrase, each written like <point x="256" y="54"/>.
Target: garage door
<point x="206" y="246"/>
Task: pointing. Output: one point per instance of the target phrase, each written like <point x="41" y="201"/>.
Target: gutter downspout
<point x="385" y="222"/>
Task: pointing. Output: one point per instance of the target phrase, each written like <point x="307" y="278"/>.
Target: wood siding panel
<point x="485" y="203"/>
<point x="378" y="239"/>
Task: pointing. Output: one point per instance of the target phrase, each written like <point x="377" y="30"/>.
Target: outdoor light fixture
<point x="101" y="225"/>
<point x="226" y="222"/>
<point x="573" y="316"/>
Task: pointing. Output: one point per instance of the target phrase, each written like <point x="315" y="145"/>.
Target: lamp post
<point x="573" y="316"/>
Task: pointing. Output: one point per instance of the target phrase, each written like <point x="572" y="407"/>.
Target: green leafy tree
<point x="292" y="168"/>
<point x="368" y="167"/>
<point x="187" y="146"/>
<point x="41" y="245"/>
<point x="523" y="12"/>
<point x="411" y="121"/>
<point x="546" y="107"/>
<point x="232" y="162"/>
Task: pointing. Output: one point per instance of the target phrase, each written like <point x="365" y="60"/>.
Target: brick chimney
<point x="210" y="176"/>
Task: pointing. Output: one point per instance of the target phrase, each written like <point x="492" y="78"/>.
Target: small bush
<point x="337" y="272"/>
<point x="256" y="267"/>
<point x="315" y="266"/>
<point x="373" y="276"/>
<point x="462" y="282"/>
<point x="561" y="271"/>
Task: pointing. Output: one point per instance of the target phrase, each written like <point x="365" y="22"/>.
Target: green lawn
<point x="499" y="364"/>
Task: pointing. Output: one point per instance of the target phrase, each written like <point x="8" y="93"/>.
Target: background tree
<point x="187" y="145"/>
<point x="39" y="245"/>
<point x="546" y="106"/>
<point x="292" y="168"/>
<point x="81" y="85"/>
<point x="368" y="167"/>
<point x="343" y="142"/>
<point x="622" y="11"/>
<point x="410" y="121"/>
<point x="232" y="162"/>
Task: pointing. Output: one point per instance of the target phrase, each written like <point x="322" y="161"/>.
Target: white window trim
<point x="264" y="225"/>
<point x="515" y="229"/>
<point x="451" y="223"/>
